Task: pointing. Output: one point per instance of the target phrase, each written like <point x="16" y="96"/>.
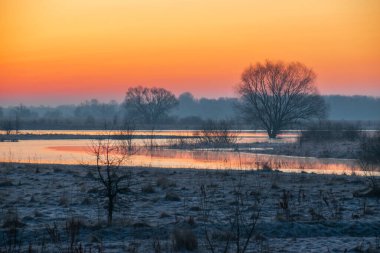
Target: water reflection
<point x="243" y="133"/>
<point x="77" y="152"/>
<point x="244" y="136"/>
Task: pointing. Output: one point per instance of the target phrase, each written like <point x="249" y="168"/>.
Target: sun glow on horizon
<point x="77" y="49"/>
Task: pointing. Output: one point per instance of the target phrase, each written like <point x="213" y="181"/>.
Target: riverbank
<point x="174" y="209"/>
<point x="341" y="149"/>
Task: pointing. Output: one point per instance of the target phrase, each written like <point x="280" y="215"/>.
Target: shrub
<point x="11" y="240"/>
<point x="148" y="188"/>
<point x="217" y="134"/>
<point x="63" y="201"/>
<point x="184" y="239"/>
<point x="172" y="196"/>
<point x="370" y="149"/>
<point x="164" y="215"/>
<point x="6" y="183"/>
<point x="11" y="219"/>
<point x="330" y="130"/>
<point x="266" y="166"/>
<point x="369" y="160"/>
<point x="164" y="183"/>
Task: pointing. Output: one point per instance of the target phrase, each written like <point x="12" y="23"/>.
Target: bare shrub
<point x="284" y="203"/>
<point x="11" y="219"/>
<point x="128" y="135"/>
<point x="63" y="201"/>
<point x="148" y="188"/>
<point x="164" y="182"/>
<point x="183" y="142"/>
<point x="73" y="227"/>
<point x="6" y="183"/>
<point x="172" y="196"/>
<point x="217" y="134"/>
<point x="11" y="241"/>
<point x="164" y="215"/>
<point x="184" y="239"/>
<point x="369" y="160"/>
<point x="66" y="238"/>
<point x="323" y="131"/>
<point x="114" y="178"/>
<point x="157" y="246"/>
<point x="242" y="215"/>
<point x="54" y="234"/>
<point x="266" y="166"/>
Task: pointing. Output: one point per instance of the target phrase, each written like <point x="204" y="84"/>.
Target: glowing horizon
<point x="72" y="50"/>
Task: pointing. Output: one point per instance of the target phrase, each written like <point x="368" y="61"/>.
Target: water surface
<point x="78" y="152"/>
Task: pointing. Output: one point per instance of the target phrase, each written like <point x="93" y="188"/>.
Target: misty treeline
<point x="189" y="113"/>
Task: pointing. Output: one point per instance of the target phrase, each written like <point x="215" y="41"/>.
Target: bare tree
<point x="114" y="177"/>
<point x="149" y="103"/>
<point x="277" y="95"/>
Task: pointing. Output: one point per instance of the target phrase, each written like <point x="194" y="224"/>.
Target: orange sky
<point x="68" y="50"/>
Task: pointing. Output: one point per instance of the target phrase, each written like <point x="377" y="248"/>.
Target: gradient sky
<point x="54" y="51"/>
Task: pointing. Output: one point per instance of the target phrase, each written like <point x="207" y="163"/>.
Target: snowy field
<point x="52" y="208"/>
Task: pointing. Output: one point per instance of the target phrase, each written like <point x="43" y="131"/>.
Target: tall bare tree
<point x="277" y="95"/>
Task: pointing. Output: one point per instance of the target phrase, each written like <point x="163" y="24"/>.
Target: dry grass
<point x="164" y="182"/>
<point x="184" y="239"/>
<point x="148" y="188"/>
<point x="172" y="196"/>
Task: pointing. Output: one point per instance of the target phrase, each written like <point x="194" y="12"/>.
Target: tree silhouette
<point x="150" y="104"/>
<point x="114" y="177"/>
<point x="277" y="95"/>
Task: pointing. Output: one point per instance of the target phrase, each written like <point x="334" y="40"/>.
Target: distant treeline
<point x="191" y="113"/>
<point x="353" y="108"/>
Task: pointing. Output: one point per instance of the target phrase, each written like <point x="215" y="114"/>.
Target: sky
<point x="56" y="51"/>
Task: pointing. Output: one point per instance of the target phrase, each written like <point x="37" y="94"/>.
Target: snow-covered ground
<point x="297" y="212"/>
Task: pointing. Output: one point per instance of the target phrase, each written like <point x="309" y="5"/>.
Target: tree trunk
<point x="272" y="134"/>
<point x="152" y="137"/>
<point x="110" y="211"/>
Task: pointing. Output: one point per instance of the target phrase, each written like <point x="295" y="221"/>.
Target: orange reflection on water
<point x="201" y="159"/>
<point x="77" y="152"/>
